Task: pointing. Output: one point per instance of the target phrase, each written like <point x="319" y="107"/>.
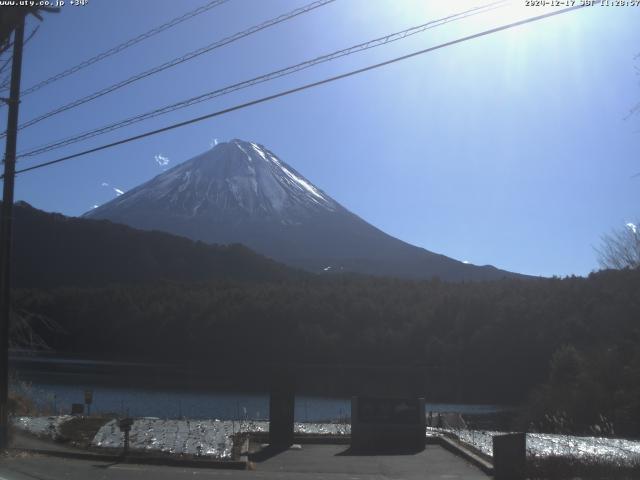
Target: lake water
<point x="56" y="383"/>
<point x="57" y="398"/>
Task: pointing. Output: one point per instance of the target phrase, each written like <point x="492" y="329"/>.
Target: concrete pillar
<point x="281" y="410"/>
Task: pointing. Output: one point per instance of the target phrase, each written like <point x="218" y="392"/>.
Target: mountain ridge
<point x="52" y="250"/>
<point x="241" y="192"/>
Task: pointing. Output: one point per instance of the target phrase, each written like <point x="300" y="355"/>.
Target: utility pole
<point x="6" y="227"/>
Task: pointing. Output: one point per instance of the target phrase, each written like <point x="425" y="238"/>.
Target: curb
<point x="141" y="459"/>
<point x="461" y="451"/>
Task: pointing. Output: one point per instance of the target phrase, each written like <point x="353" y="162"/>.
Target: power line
<point x="178" y="60"/>
<point x="4" y="83"/>
<point x="6" y="63"/>
<point x="260" y="79"/>
<point x="124" y="45"/>
<point x="301" y="88"/>
<point x="26" y="41"/>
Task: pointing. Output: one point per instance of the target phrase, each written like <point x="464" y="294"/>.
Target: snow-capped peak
<point x="235" y="176"/>
<point x="286" y="175"/>
<point x="240" y="192"/>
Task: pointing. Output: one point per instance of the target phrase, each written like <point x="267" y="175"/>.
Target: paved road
<point x="312" y="462"/>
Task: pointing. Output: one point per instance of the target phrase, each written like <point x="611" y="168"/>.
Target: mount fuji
<point x="240" y="192"/>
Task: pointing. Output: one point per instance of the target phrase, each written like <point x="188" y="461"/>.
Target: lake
<point x="57" y="386"/>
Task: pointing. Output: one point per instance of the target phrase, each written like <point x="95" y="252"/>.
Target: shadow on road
<point x="351" y="452"/>
<point x="267" y="452"/>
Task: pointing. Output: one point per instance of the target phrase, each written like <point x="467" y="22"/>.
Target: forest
<point x="52" y="250"/>
<point x="565" y="350"/>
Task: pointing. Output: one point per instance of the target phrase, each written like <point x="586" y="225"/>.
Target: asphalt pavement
<point x="310" y="462"/>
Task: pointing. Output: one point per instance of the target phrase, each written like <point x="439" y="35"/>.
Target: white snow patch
<point x="302" y="183"/>
<point x="259" y="152"/>
<point x="632" y="226"/>
<point x="42" y="426"/>
<point x="95" y="206"/>
<point x="273" y="192"/>
<point x="118" y="191"/>
<point x="211" y="438"/>
<point x="618" y="451"/>
<point x="244" y="151"/>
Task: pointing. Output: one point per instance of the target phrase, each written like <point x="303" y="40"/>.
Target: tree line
<point x="566" y="348"/>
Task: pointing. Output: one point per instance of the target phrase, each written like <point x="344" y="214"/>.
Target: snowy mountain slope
<point x="240" y="192"/>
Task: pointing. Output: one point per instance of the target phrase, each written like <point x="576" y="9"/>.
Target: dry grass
<point x="80" y="431"/>
<point x="21" y="405"/>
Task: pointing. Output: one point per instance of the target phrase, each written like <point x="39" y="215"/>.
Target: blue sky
<point x="513" y="150"/>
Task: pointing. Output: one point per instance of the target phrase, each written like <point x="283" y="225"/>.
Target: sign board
<point x="77" y="409"/>
<point x="125" y="426"/>
<point x="88" y="396"/>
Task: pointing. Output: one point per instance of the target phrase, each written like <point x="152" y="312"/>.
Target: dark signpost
<point x="77" y="409"/>
<point x="125" y="427"/>
<point x="88" y="400"/>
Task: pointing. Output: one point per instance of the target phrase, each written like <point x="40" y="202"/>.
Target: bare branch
<point x="621" y="248"/>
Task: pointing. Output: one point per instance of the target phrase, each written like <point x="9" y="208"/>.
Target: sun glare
<point x="514" y="11"/>
<point x="497" y="12"/>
